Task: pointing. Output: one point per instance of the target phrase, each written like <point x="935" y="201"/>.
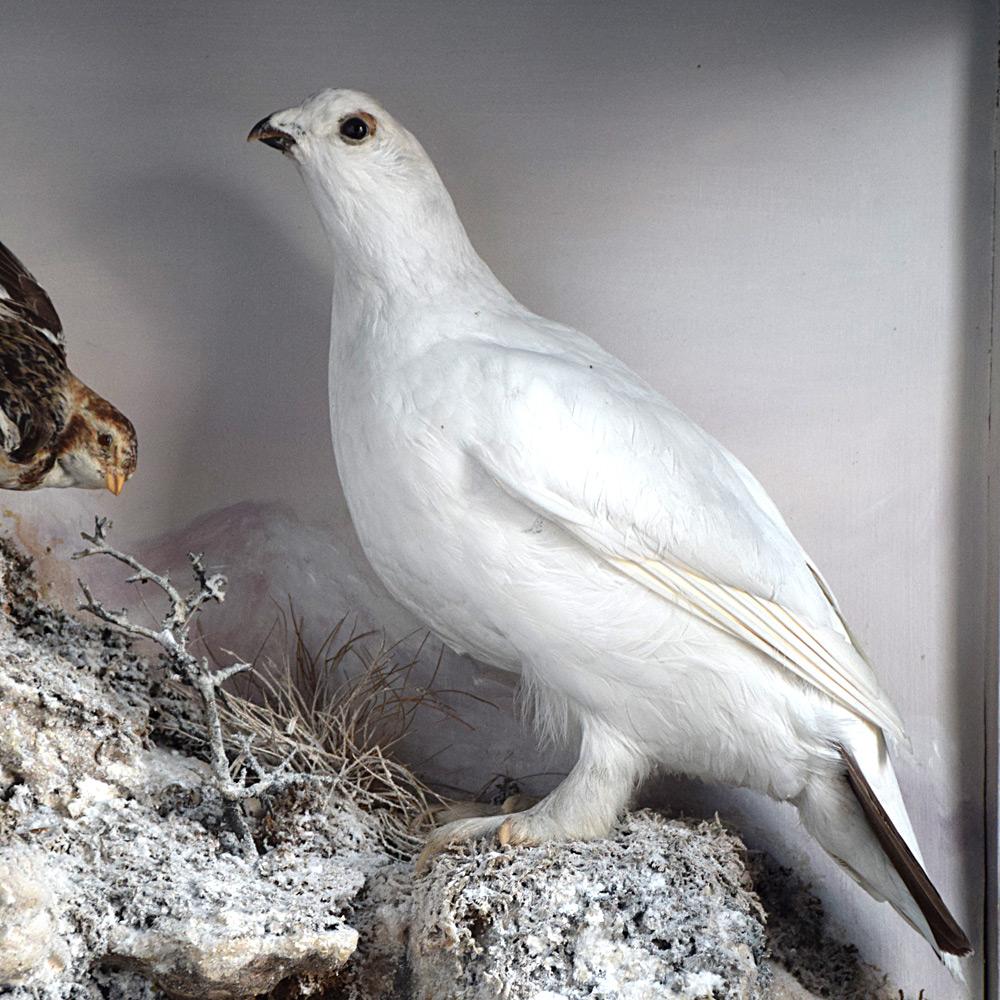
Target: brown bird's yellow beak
<point x="115" y="481"/>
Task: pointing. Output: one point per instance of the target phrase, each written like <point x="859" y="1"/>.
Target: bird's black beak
<point x="265" y="132"/>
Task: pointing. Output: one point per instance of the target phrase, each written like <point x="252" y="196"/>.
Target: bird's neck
<point x="414" y="247"/>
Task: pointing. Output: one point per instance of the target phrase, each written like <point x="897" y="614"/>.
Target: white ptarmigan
<point x="543" y="509"/>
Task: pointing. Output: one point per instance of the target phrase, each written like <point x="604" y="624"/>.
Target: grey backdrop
<point x="779" y="213"/>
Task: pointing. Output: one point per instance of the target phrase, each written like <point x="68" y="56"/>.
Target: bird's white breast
<point x="483" y="570"/>
<point x="428" y="526"/>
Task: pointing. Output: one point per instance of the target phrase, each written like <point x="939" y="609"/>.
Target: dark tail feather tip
<point x="948" y="935"/>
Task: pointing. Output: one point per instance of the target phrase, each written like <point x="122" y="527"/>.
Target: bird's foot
<point x="455" y="811"/>
<point x="509" y="829"/>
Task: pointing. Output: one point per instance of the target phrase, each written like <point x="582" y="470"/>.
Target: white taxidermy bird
<point x="545" y="510"/>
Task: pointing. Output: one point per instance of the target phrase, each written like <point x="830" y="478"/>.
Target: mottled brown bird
<point x="54" y="430"/>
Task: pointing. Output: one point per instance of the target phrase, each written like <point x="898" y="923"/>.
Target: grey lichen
<point x="111" y="860"/>
<point x="801" y="942"/>
<point x="663" y="909"/>
<point x="666" y="909"/>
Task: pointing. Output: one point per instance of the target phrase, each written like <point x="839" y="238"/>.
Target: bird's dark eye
<point x="105" y="440"/>
<point x="355" y="129"/>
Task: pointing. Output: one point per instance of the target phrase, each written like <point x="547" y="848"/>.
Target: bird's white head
<point x="377" y="192"/>
<point x="346" y="138"/>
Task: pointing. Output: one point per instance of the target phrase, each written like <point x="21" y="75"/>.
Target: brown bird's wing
<point x="26" y="299"/>
<point x="33" y="380"/>
<point x="33" y="375"/>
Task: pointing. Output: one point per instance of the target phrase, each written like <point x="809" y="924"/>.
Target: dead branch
<point x="173" y="638"/>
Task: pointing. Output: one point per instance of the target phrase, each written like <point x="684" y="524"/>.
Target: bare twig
<point x="173" y="638"/>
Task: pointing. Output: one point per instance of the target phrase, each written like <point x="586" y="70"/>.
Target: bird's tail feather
<point x="948" y="935"/>
<point x="856" y="812"/>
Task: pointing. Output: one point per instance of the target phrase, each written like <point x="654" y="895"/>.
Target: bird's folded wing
<point x="22" y="297"/>
<point x="663" y="503"/>
<point x="822" y="660"/>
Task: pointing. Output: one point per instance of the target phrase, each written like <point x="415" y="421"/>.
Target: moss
<point x="663" y="909"/>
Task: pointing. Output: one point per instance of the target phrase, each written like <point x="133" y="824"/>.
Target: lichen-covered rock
<point x="664" y="909"/>
<point x="115" y="879"/>
<point x="809" y="957"/>
<point x="61" y="725"/>
<point x="30" y="943"/>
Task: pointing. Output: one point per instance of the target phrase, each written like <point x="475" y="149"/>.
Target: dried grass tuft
<point x="338" y="711"/>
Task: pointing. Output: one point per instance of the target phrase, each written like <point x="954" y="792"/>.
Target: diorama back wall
<point x="779" y="214"/>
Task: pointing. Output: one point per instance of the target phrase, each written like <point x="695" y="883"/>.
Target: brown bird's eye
<point x="355" y="129"/>
<point x="104" y="440"/>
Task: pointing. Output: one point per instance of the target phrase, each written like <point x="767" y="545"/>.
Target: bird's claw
<point x="459" y="831"/>
<point x="454" y="811"/>
<point x="514" y="826"/>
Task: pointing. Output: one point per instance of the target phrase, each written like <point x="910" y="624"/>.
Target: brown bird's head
<point x="97" y="448"/>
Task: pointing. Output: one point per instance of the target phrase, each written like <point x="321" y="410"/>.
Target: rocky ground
<point x="119" y="878"/>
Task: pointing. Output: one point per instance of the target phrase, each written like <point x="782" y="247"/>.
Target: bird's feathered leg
<point x="584" y="806"/>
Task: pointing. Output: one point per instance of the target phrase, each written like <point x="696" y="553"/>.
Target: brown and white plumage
<point x="55" y="431"/>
